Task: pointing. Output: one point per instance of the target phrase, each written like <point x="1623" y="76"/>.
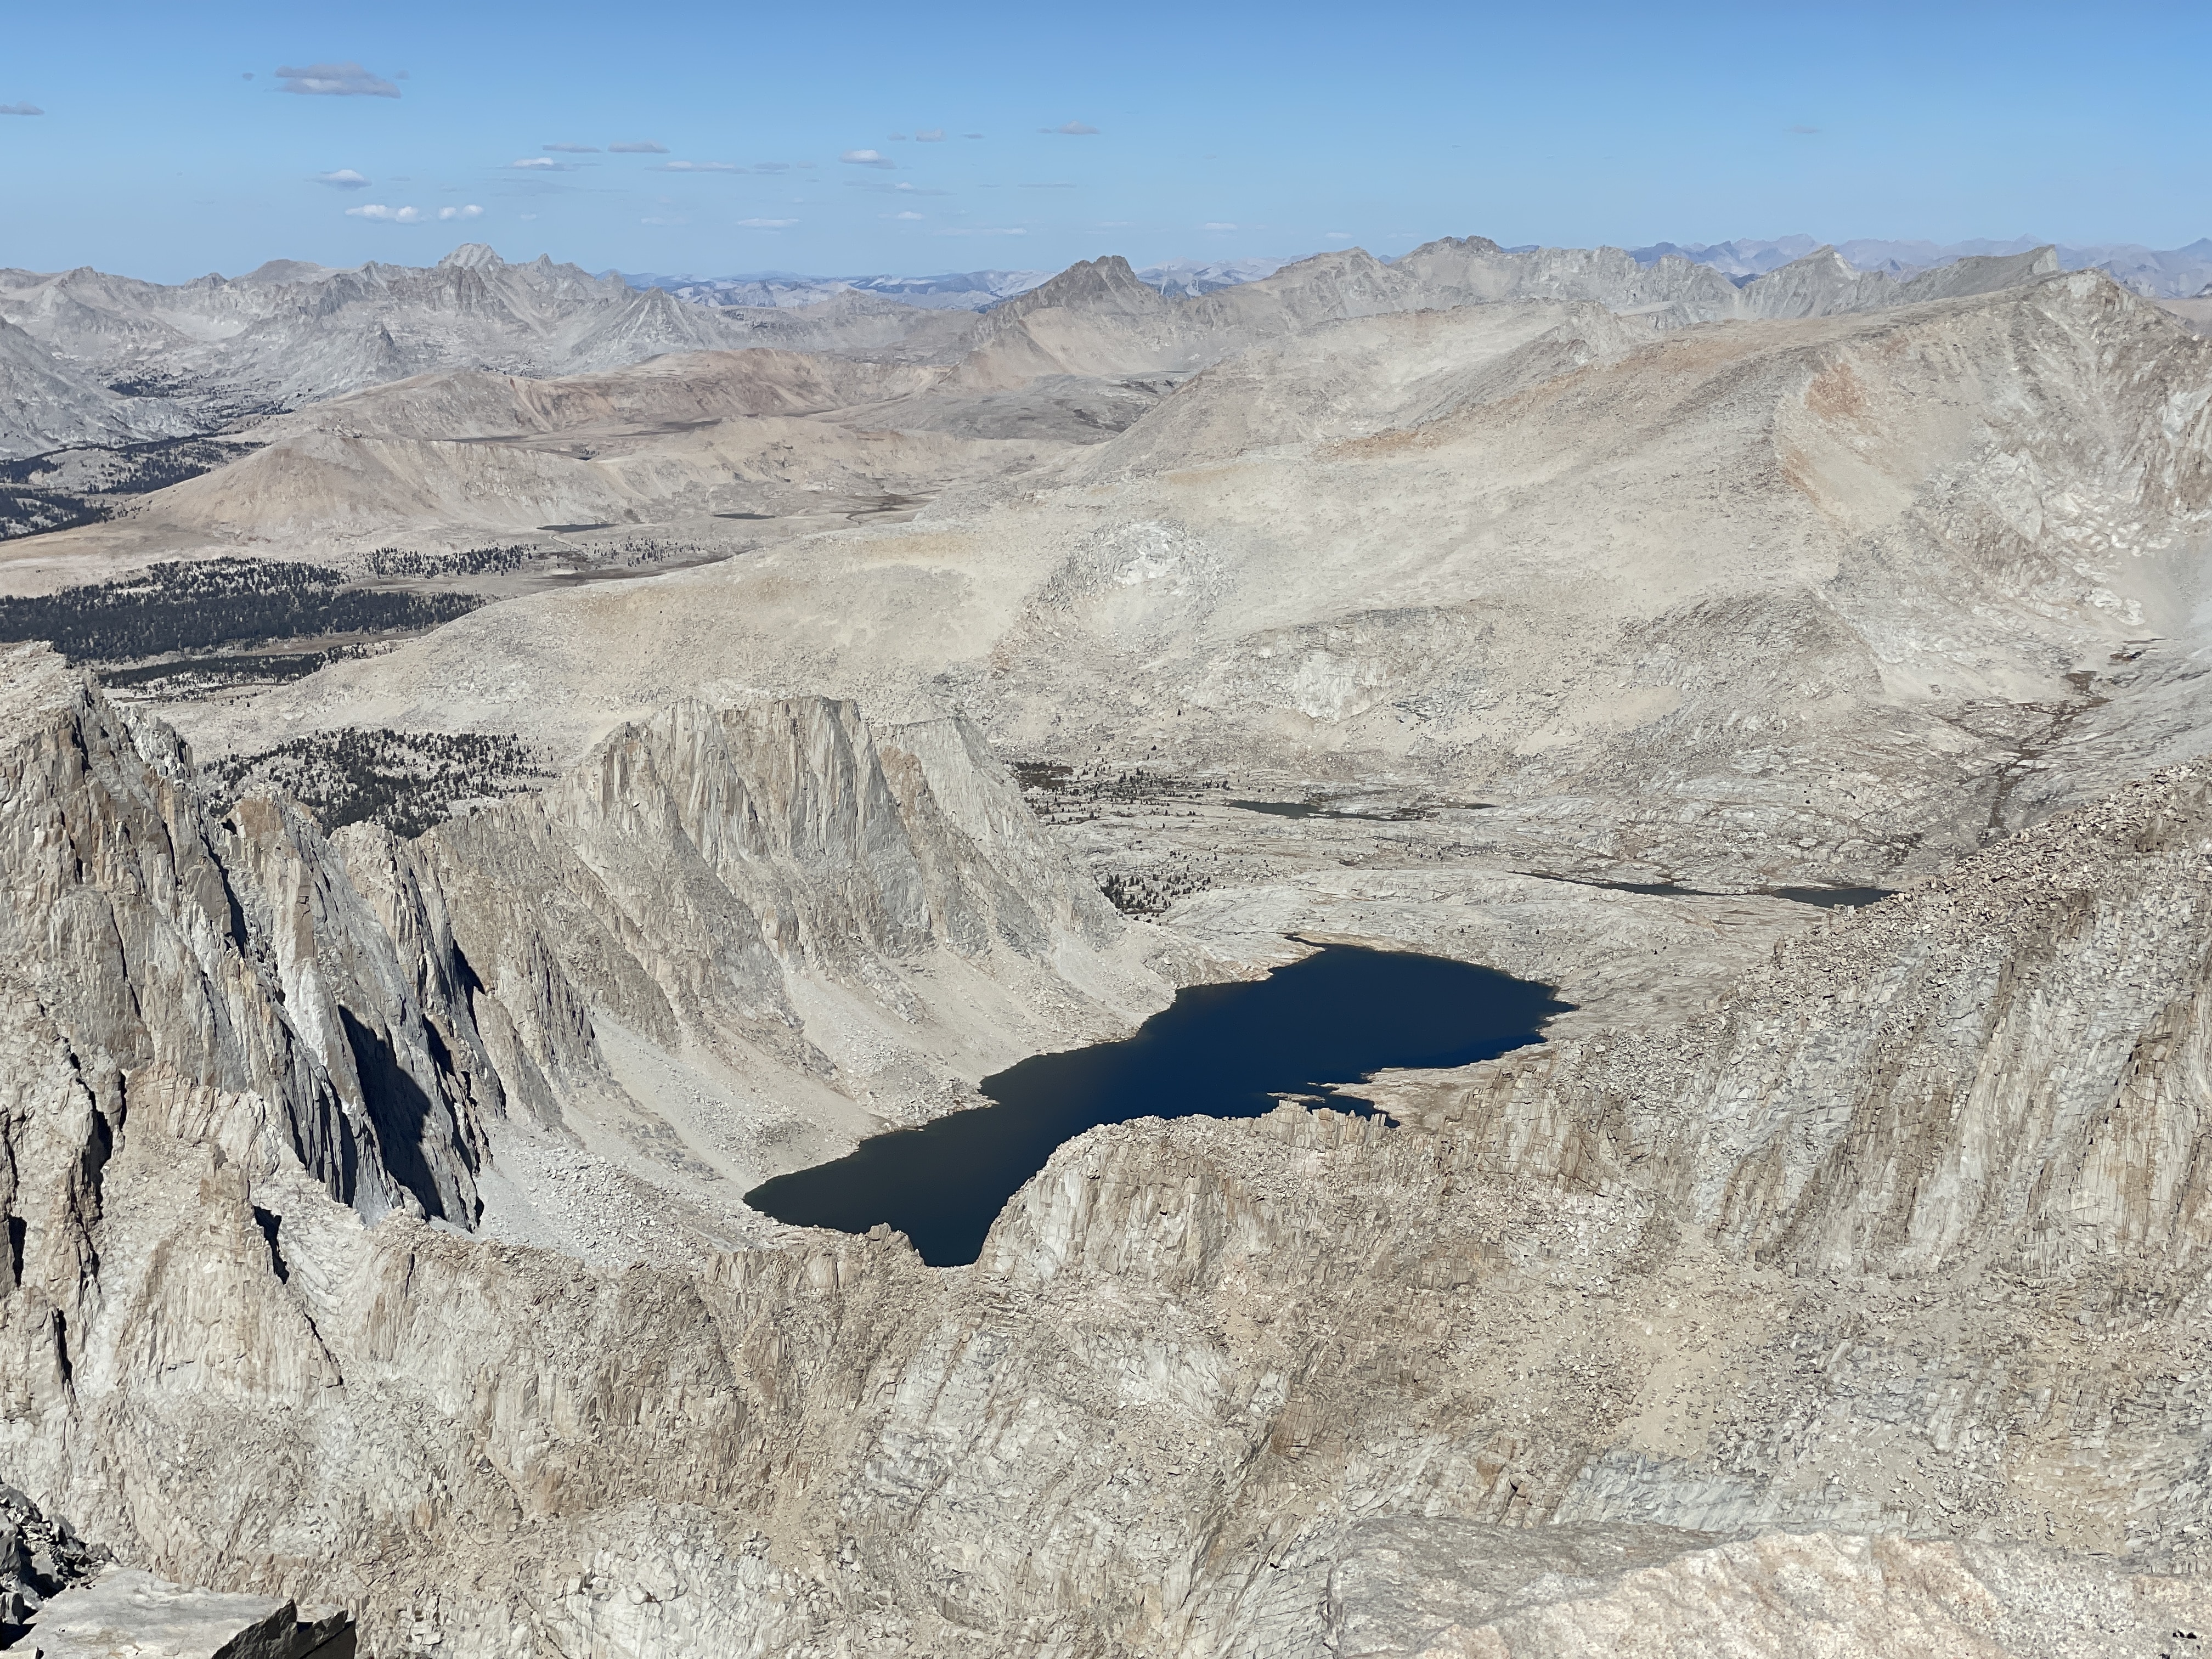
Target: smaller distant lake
<point x="1831" y="898"/>
<point x="1828" y="898"/>
<point x="1334" y="1017"/>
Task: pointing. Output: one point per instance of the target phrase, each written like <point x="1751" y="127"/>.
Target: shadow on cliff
<point x="399" y="1110"/>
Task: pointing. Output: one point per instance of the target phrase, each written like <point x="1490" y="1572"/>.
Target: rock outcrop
<point x="124" y="1615"/>
<point x="223" y="965"/>
<point x="40" y="1557"/>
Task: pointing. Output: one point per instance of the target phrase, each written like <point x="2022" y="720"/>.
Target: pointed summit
<point x="472" y="256"/>
<point x="1103" y="284"/>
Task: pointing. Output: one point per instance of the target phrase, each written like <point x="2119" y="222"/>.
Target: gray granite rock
<point x="127" y="1615"/>
<point x="39" y="1557"/>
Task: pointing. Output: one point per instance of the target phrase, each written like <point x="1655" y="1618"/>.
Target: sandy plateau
<point x="497" y="765"/>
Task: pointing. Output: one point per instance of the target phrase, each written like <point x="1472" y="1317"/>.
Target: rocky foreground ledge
<point x="63" y="1598"/>
<point x="123" y="1613"/>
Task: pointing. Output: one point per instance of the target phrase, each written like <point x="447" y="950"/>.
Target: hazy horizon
<point x="1013" y="139"/>
<point x="518" y="253"/>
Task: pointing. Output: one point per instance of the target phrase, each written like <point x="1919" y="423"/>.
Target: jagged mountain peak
<point x="1088" y="284"/>
<point x="277" y="273"/>
<point x="477" y="255"/>
<point x="1481" y="244"/>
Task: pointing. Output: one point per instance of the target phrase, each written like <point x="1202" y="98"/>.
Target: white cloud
<point x="343" y="178"/>
<point x="346" y="80"/>
<point x="1073" y="129"/>
<point x="472" y="211"/>
<point x="572" y="149"/>
<point x="772" y="167"/>
<point x="21" y="109"/>
<point x="637" y="147"/>
<point x="698" y="166"/>
<point x="767" y="224"/>
<point x="526" y="215"/>
<point x="930" y="136"/>
<point x="1338" y="235"/>
<point x="901" y="188"/>
<point x="971" y="134"/>
<point x="909" y="214"/>
<point x="541" y="164"/>
<point x="899" y="138"/>
<point x="867" y="158"/>
<point x="391" y="215"/>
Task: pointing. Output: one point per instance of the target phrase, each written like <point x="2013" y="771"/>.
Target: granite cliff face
<point x="733" y="940"/>
<point x="729" y="943"/>
<point x="221" y="963"/>
<point x="1870" y="1298"/>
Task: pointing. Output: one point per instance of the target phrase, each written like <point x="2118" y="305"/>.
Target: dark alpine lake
<point x="1334" y="1017"/>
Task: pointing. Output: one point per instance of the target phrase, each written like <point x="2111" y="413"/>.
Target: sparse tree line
<point x="194" y="676"/>
<point x="634" y="551"/>
<point x="1062" y="794"/>
<point x="640" y="551"/>
<point x="27" y="508"/>
<point x="34" y="513"/>
<point x="1148" y="892"/>
<point x="408" y="781"/>
<point x="472" y="562"/>
<point x="221" y="603"/>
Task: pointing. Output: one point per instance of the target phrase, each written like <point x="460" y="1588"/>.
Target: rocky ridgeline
<point x="1098" y="315"/>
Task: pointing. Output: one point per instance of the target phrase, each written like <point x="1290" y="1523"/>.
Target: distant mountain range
<point x="2178" y="273"/>
<point x="2170" y="273"/>
<point x="88" y="360"/>
<point x="959" y="290"/>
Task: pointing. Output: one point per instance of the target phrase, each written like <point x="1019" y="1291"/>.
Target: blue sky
<point x="1220" y="130"/>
